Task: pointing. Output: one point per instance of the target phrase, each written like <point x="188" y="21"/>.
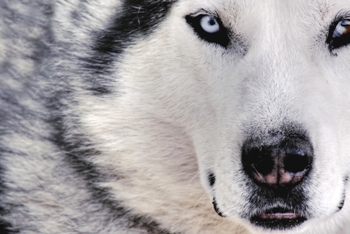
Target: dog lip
<point x="278" y="218"/>
<point x="278" y="214"/>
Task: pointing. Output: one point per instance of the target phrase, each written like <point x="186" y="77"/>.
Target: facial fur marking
<point x="124" y="122"/>
<point x="216" y="208"/>
<point x="135" y="19"/>
<point x="211" y="179"/>
<point x="344" y="195"/>
<point x="77" y="149"/>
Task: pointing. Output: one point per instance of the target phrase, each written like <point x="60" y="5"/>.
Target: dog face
<point x="262" y="90"/>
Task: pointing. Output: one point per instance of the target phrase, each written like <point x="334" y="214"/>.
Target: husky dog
<point x="174" y="116"/>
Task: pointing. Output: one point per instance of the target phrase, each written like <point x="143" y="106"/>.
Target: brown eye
<point x="339" y="34"/>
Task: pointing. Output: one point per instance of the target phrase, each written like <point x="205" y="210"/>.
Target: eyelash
<point x="343" y="38"/>
<point x="220" y="37"/>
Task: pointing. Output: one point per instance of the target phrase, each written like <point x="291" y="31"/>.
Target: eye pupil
<point x="209" y="24"/>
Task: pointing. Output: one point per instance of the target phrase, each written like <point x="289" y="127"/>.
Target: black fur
<point x="134" y="20"/>
<point x="77" y="148"/>
<point x="216" y="208"/>
<point x="341" y="204"/>
<point x="211" y="179"/>
<point x="123" y="29"/>
<point x="263" y="198"/>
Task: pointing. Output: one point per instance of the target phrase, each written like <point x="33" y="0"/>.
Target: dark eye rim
<point x="336" y="43"/>
<point x="221" y="37"/>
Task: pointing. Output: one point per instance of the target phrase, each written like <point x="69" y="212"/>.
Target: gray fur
<point x="125" y="117"/>
<point x="36" y="144"/>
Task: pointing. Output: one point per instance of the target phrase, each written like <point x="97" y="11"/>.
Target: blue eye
<point x="339" y="34"/>
<point x="209" y="24"/>
<point x="342" y="28"/>
<point x="209" y="28"/>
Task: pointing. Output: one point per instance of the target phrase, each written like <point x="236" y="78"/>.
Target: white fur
<point x="194" y="100"/>
<point x="182" y="107"/>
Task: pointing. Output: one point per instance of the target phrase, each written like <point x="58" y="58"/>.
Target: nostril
<point x="259" y="160"/>
<point x="297" y="161"/>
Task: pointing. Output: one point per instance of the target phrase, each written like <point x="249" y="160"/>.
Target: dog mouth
<point x="278" y="218"/>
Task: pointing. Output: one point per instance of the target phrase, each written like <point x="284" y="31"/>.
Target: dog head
<point x="263" y="89"/>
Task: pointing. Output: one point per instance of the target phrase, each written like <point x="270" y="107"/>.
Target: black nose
<point x="285" y="162"/>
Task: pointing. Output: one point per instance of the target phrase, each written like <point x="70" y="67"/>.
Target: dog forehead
<point x="270" y="21"/>
<point x="235" y="10"/>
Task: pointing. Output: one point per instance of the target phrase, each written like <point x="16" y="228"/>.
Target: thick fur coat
<point x="174" y="116"/>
